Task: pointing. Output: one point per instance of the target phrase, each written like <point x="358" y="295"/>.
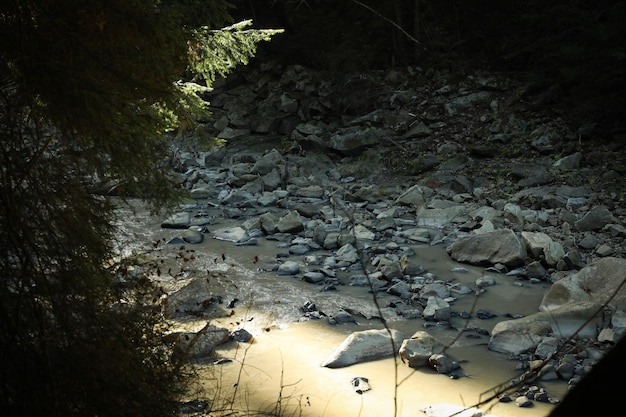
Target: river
<point x="281" y="368"/>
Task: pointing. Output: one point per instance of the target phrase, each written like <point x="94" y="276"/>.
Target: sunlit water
<point x="282" y="367"/>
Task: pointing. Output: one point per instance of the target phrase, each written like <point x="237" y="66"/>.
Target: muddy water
<point x="282" y="367"/>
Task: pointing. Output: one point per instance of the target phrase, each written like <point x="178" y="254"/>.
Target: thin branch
<point x="340" y="204"/>
<point x="386" y="19"/>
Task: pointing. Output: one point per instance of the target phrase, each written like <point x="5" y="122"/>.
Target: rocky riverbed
<point x="457" y="209"/>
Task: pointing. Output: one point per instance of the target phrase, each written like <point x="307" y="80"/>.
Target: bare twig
<point x="341" y="205"/>
<point x="386" y="19"/>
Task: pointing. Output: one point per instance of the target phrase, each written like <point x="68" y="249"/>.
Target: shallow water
<point x="291" y="358"/>
<point x="287" y="353"/>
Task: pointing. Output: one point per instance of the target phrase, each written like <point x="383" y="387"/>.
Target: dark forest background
<point x="576" y="46"/>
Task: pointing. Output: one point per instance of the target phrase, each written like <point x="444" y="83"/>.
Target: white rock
<point x="364" y="346"/>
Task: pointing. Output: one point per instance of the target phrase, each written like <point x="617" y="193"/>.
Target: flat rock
<point x="500" y="246"/>
<point x="364" y="346"/>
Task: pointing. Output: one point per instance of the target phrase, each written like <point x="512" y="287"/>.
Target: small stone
<point x="360" y="384"/>
<point x="523" y="401"/>
<point x="241" y="335"/>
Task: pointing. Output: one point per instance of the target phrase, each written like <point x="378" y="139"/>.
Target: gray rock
<point x="418" y="130"/>
<point x="440" y="217"/>
<point x="416" y="350"/>
<point x="391" y="270"/>
<point x="399" y="289"/>
<point x="230" y="133"/>
<point x="192" y="345"/>
<point x="588" y="242"/>
<point x="331" y="241"/>
<point x="300" y="249"/>
<point x="201" y="192"/>
<point x="501" y="246"/>
<point x="354" y="139"/>
<point x="462" y="103"/>
<point x="313" y="277"/>
<point x="237" y="198"/>
<point x="309" y="191"/>
<point x="542" y="247"/>
<point x="192" y="236"/>
<point x="347" y="253"/>
<point x="595" y="219"/>
<point x="241" y="335"/>
<point x="341" y="317"/>
<point x="526" y="333"/>
<point x="361" y="233"/>
<point x="272" y="180"/>
<point x="231" y="234"/>
<point x="268" y="223"/>
<point x="288" y="104"/>
<point x="268" y="163"/>
<point x="290" y="222"/>
<point x="569" y="162"/>
<point x="604" y="250"/>
<point x="255" y="187"/>
<point x="566" y="367"/>
<point x="364" y="346"/>
<point x="195" y="297"/>
<point x="536" y="270"/>
<point x="177" y="221"/>
<point x="288" y="268"/>
<point x="595" y="282"/>
<point x="414" y="196"/>
<point x="312" y="127"/>
<point x="267" y="198"/>
<point x="547" y="347"/>
<point x="438" y="289"/>
<point x="513" y="213"/>
<point x="443" y="364"/>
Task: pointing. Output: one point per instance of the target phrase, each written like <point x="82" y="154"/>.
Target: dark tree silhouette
<point x="88" y="91"/>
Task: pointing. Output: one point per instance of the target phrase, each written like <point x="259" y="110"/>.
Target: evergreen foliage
<point x="88" y="91"/>
<point x="217" y="52"/>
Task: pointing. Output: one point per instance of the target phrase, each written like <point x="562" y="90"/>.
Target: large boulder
<point x="596" y="282"/>
<point x="500" y="246"/>
<point x="526" y="333"/>
<point x="595" y="219"/>
<point x="364" y="346"/>
<point x="572" y="306"/>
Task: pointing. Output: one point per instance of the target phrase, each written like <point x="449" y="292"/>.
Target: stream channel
<point x="281" y="368"/>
